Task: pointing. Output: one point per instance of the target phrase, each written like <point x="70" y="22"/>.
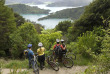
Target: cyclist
<point x="58" y="49"/>
<point x="64" y="50"/>
<point x="30" y="55"/>
<point x="41" y="55"/>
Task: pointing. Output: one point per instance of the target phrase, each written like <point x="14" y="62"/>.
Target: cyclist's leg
<point x="43" y="60"/>
<point x="40" y="60"/>
<point x="30" y="64"/>
<point x="60" y="57"/>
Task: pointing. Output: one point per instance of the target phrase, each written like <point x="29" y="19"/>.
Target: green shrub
<point x="2" y="53"/>
<point x="102" y="61"/>
<point x="87" y="44"/>
<point x="48" y="38"/>
<point x="24" y="35"/>
<point x="16" y="63"/>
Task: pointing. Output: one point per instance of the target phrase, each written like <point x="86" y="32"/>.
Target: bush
<point x="48" y="38"/>
<point x="102" y="61"/>
<point x="24" y="35"/>
<point x="87" y="44"/>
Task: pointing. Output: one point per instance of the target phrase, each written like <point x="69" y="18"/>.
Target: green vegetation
<point x="25" y="9"/>
<point x="25" y="34"/>
<point x="88" y="37"/>
<point x="48" y="38"/>
<point x="7" y="26"/>
<point x="71" y="13"/>
<point x="23" y="2"/>
<point x="70" y="3"/>
<point x="19" y="19"/>
<point x="91" y="17"/>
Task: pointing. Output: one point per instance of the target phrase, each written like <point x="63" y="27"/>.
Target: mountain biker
<point x="30" y="55"/>
<point x="64" y="50"/>
<point x="60" y="48"/>
<point x="41" y="55"/>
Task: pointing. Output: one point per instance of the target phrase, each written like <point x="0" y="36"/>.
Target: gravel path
<point x="73" y="70"/>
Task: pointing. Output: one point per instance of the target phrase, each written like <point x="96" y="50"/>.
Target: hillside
<point x="25" y="9"/>
<point x="70" y="3"/>
<point x="73" y="13"/>
<point x="23" y="1"/>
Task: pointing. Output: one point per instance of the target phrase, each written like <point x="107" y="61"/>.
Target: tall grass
<point x="16" y="63"/>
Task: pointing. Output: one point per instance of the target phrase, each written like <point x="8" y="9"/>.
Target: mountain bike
<point x="36" y="68"/>
<point x="65" y="59"/>
<point x="52" y="63"/>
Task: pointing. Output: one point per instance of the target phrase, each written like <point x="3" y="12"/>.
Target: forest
<point x="88" y="37"/>
<point x="70" y="3"/>
<point x="25" y="9"/>
<point x="71" y="13"/>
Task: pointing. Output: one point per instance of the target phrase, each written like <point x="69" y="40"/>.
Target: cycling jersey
<point x="58" y="45"/>
<point x="40" y="51"/>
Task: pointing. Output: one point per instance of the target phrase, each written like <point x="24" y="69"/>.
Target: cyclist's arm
<point x="32" y="54"/>
<point x="54" y="47"/>
<point x="63" y="48"/>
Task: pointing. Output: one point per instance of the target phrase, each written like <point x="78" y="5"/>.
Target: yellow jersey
<point x="40" y="51"/>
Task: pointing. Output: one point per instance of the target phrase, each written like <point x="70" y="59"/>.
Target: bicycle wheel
<point x="36" y="68"/>
<point x="68" y="62"/>
<point x="54" y="65"/>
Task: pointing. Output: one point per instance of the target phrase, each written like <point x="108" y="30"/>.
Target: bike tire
<point x="68" y="62"/>
<point x="36" y="69"/>
<point x="50" y="61"/>
<point x="54" y="66"/>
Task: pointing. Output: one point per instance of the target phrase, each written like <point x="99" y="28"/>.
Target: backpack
<point x="58" y="50"/>
<point x="26" y="53"/>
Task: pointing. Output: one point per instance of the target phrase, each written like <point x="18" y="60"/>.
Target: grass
<point x="15" y="66"/>
<point x="81" y="61"/>
<point x="23" y="64"/>
<point x="14" y="63"/>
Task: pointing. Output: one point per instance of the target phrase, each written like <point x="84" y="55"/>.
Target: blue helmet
<point x="29" y="45"/>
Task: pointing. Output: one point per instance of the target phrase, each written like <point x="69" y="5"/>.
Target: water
<point x="48" y="23"/>
<point x="52" y="9"/>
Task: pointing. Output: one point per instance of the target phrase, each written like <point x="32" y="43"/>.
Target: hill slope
<point x="25" y="9"/>
<point x="70" y="3"/>
<point x="23" y="1"/>
<point x="73" y="13"/>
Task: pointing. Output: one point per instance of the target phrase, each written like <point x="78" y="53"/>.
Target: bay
<point x="48" y="23"/>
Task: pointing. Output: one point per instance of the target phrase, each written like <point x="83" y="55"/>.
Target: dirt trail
<point x="73" y="70"/>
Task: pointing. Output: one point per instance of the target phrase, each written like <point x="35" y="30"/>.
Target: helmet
<point x="57" y="40"/>
<point x="62" y="40"/>
<point x="29" y="45"/>
<point x="40" y="44"/>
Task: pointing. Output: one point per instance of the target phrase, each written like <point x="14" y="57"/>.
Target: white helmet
<point x="40" y="44"/>
<point x="57" y="40"/>
<point x="62" y="40"/>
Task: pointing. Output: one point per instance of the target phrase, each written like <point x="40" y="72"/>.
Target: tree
<point x="48" y="38"/>
<point x="91" y="17"/>
<point x="63" y="26"/>
<point x="2" y="2"/>
<point x="7" y="26"/>
<point x="25" y="34"/>
<point x="19" y="19"/>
